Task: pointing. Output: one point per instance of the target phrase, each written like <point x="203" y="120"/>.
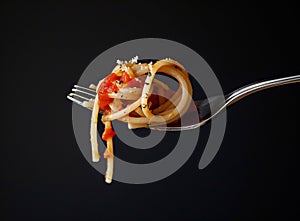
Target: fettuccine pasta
<point x="132" y="94"/>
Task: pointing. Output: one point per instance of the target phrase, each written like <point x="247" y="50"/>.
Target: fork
<point x="207" y="108"/>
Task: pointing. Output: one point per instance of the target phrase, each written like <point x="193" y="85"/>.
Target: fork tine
<point x="77" y="95"/>
<point x="88" y="89"/>
<point x="87" y="103"/>
<point x="83" y="92"/>
<point x="75" y="100"/>
<point x="82" y="96"/>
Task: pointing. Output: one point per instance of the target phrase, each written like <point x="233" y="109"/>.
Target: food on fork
<point x="132" y="94"/>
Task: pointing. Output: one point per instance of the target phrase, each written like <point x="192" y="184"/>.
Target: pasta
<point x="132" y="94"/>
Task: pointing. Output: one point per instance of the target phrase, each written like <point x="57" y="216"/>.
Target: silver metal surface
<point x="207" y="108"/>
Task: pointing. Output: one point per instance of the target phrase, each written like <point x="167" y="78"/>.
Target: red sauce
<point x="109" y="85"/>
<point x="108" y="133"/>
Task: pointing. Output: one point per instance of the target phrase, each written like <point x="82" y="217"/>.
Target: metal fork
<point x="207" y="108"/>
<point x="81" y="94"/>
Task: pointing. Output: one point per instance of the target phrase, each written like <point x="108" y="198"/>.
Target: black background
<point x="46" y="47"/>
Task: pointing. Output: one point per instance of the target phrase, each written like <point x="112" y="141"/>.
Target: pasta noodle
<point x="132" y="94"/>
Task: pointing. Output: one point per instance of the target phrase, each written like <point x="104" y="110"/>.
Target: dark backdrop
<point x="46" y="47"/>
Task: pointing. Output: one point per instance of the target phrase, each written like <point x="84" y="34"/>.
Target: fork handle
<point x="214" y="105"/>
<point x="259" y="86"/>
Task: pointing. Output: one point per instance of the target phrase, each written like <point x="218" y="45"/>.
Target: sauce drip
<point x="108" y="133"/>
<point x="111" y="85"/>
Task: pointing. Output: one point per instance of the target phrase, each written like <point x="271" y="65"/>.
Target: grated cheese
<point x="119" y="62"/>
<point x="134" y="60"/>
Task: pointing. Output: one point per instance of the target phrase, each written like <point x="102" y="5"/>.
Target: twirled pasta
<point x="127" y="95"/>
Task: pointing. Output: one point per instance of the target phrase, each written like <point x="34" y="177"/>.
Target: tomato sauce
<point x="109" y="85"/>
<point x="108" y="133"/>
